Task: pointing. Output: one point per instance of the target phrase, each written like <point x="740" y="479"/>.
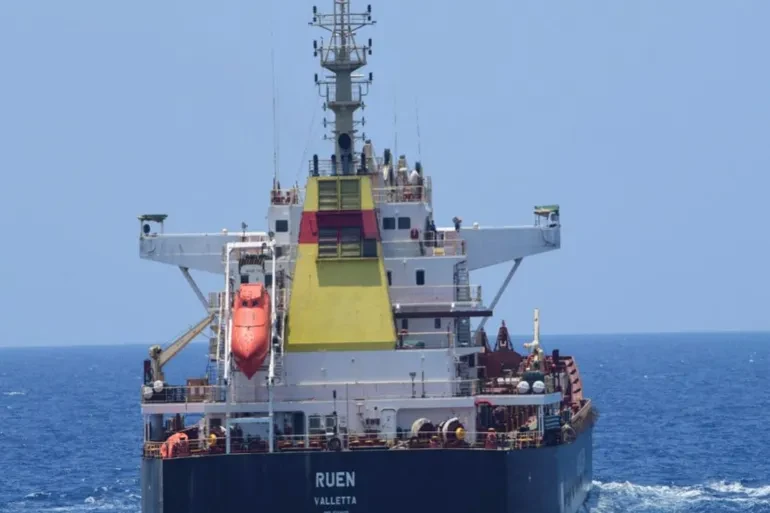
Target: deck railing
<point x="404" y="193"/>
<point x="412" y="295"/>
<point x="425" y="340"/>
<point x="326" y="391"/>
<point x="459" y="439"/>
<point x="423" y="247"/>
<point x="292" y="196"/>
<point x="327" y="168"/>
<point x="312" y="391"/>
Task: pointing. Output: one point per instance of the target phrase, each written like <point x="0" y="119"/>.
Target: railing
<point x="281" y="300"/>
<point x="281" y="249"/>
<point x="425" y="340"/>
<point x="184" y="394"/>
<point x="404" y="193"/>
<point x="326" y="168"/>
<point x="422" y="247"/>
<point x="414" y="295"/>
<point x="314" y="391"/>
<point x="293" y="196"/>
<point x="408" y="248"/>
<point x="328" y="391"/>
<point x="459" y="439"/>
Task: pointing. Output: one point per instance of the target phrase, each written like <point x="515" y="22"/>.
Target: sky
<point x="647" y="121"/>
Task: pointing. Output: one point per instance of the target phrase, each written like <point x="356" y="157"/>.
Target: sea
<point x="682" y="424"/>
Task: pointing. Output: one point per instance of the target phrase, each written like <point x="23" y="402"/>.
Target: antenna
<point x="395" y="126"/>
<point x="343" y="91"/>
<point x="275" y="104"/>
<point x="417" y="116"/>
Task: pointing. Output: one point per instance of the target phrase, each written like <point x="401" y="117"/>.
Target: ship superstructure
<point x="344" y="334"/>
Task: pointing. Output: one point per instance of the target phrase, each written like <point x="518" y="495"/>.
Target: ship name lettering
<point x="335" y="479"/>
<point x="335" y="501"/>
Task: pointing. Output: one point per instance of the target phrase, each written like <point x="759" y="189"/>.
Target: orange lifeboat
<point x="250" y="339"/>
<point x="176" y="446"/>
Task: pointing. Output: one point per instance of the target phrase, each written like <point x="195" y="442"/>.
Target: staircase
<point x="462" y="282"/>
<point x="463" y="374"/>
<point x="281" y="306"/>
<point x="215" y="367"/>
<point x="462" y="295"/>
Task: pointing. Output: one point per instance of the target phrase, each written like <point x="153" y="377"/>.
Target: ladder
<point x="462" y="282"/>
<point x="463" y="374"/>
<point x="462" y="295"/>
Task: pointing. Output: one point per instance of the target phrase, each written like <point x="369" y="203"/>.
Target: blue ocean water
<point x="681" y="428"/>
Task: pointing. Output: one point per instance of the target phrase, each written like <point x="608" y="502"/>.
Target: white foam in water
<point x="629" y="497"/>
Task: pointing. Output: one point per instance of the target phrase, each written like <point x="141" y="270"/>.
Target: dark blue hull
<point x="545" y="480"/>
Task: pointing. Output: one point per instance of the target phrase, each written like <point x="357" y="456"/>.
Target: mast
<point x="343" y="91"/>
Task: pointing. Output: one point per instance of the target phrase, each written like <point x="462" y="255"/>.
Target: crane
<point x="159" y="357"/>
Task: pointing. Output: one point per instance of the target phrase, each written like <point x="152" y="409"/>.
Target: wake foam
<point x="716" y="497"/>
<point x="101" y="499"/>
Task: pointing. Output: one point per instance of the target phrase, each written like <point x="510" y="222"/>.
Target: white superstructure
<point x="371" y="302"/>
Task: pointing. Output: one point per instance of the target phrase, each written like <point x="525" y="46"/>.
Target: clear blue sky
<point x="646" y="120"/>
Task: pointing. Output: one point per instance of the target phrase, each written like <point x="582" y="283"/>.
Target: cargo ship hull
<point x="544" y="480"/>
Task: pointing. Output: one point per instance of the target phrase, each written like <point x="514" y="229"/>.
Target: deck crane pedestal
<point x="154" y="381"/>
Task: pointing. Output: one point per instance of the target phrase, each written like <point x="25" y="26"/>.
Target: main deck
<point x="554" y="479"/>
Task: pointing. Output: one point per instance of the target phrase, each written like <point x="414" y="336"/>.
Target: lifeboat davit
<point x="250" y="339"/>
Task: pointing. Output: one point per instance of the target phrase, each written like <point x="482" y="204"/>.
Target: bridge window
<point x="404" y="223"/>
<point x="281" y="226"/>
<point x="350" y="194"/>
<point x="388" y="223"/>
<point x="419" y="277"/>
<point x="350" y="242"/>
<point x="345" y="242"/>
<point x="328" y="199"/>
<point x="339" y="194"/>
<point x="327" y="243"/>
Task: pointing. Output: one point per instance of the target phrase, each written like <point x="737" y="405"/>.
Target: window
<point x="281" y="226"/>
<point x="314" y="424"/>
<point x="327" y="243"/>
<point x="370" y="248"/>
<point x="345" y="243"/>
<point x="437" y="323"/>
<point x="388" y="223"/>
<point x="350" y="242"/>
<point x="419" y="277"/>
<point x="339" y="194"/>
<point x="404" y="223"/>
<point x="244" y="278"/>
<point x="404" y="324"/>
<point x="268" y="280"/>
<point x="328" y="199"/>
<point x="350" y="194"/>
<point x="390" y="278"/>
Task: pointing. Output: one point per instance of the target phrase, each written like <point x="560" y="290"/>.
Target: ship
<point x="349" y="370"/>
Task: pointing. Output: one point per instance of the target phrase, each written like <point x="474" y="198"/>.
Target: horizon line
<point x="603" y="335"/>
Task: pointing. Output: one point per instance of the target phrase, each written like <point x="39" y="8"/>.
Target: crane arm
<point x="160" y="357"/>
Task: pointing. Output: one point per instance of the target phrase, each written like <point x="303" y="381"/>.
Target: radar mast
<point x="343" y="91"/>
